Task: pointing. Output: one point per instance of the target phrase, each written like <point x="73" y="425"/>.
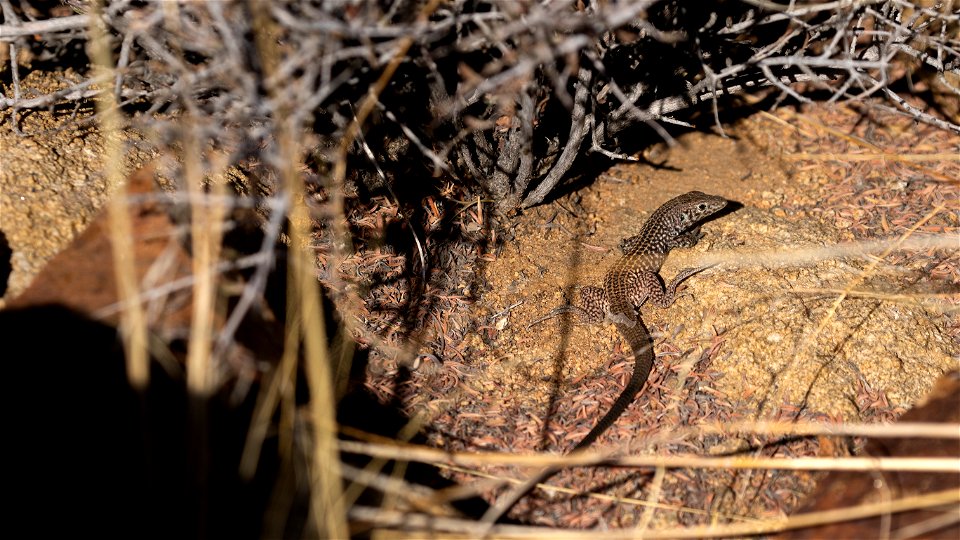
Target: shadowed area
<point x="90" y="453"/>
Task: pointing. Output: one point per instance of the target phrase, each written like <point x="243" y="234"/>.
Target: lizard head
<point x="694" y="206"/>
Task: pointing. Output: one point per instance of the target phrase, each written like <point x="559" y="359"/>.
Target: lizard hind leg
<point x="585" y="314"/>
<point x="595" y="303"/>
<point x="559" y="310"/>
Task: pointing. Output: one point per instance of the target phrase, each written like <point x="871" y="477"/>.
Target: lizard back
<point x="633" y="279"/>
<point x="628" y="284"/>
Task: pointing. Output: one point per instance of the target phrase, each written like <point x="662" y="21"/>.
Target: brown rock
<point x="82" y="276"/>
<point x="844" y="489"/>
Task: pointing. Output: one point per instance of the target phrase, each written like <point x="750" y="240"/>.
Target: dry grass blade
<point x="551" y="488"/>
<point x="915" y="158"/>
<point x="429" y="455"/>
<point x="133" y="320"/>
<point x="306" y="318"/>
<point x="424" y="524"/>
<point x="800" y="255"/>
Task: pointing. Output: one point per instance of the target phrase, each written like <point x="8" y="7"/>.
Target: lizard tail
<point x="642" y="346"/>
<point x="641" y="343"/>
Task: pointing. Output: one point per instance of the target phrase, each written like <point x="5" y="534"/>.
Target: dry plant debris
<point x="518" y="93"/>
<point x="742" y="344"/>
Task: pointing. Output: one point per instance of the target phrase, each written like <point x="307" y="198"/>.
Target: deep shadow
<point x="89" y="453"/>
<point x="6" y="263"/>
<point x="633" y="140"/>
<point x="362" y="410"/>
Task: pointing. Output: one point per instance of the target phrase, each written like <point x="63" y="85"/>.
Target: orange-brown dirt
<point x="762" y="335"/>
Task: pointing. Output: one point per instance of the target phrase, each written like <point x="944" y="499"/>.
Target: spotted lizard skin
<point x="634" y="280"/>
<point x="630" y="282"/>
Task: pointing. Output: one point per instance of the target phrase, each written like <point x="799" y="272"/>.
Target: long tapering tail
<point x="641" y="345"/>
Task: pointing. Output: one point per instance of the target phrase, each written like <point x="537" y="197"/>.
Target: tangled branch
<point x="505" y="94"/>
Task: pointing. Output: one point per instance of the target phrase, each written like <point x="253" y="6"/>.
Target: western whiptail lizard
<point x="628" y="284"/>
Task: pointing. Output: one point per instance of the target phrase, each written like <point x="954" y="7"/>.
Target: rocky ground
<point x="797" y="322"/>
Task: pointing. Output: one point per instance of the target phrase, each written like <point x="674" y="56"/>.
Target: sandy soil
<point x="51" y="185"/>
<point x="759" y="336"/>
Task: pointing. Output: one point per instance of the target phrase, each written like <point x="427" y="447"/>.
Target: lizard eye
<point x="702" y="206"/>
